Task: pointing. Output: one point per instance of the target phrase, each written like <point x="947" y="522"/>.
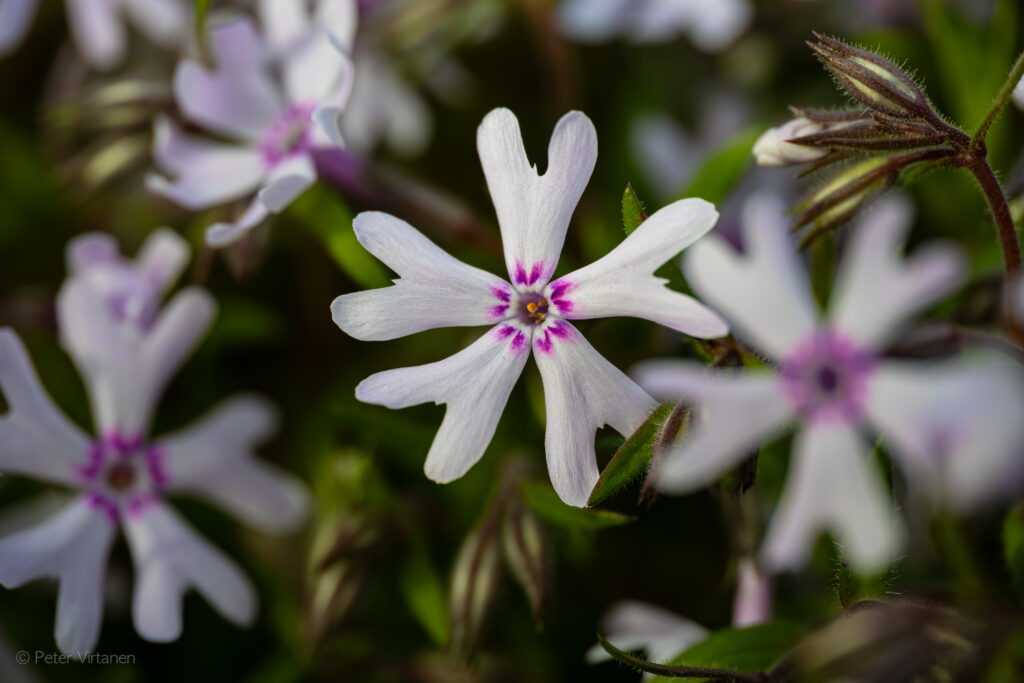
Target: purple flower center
<point x="827" y="376"/>
<point x="288" y="136"/>
<point x="123" y="475"/>
<point x="531" y="308"/>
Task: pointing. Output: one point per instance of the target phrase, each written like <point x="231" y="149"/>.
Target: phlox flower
<point x="260" y="96"/>
<point x="582" y="390"/>
<point x="712" y="25"/>
<point x="98" y="26"/>
<point x="954" y="428"/>
<point x="127" y="349"/>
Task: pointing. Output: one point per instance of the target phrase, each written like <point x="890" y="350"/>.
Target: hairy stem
<point x="682" y="671"/>
<point x="978" y="139"/>
<point x="1000" y="208"/>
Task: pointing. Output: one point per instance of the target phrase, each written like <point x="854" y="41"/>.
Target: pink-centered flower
<point x="583" y="391"/>
<point x="261" y="96"/>
<point x="954" y="427"/>
<point x="127" y="349"/>
<point x="98" y="26"/>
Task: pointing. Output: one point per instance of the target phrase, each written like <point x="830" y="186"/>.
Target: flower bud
<point x="474" y="584"/>
<point x="525" y="553"/>
<point x="873" y="80"/>
<point x="774" y="149"/>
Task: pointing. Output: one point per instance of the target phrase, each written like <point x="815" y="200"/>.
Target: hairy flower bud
<point x="525" y="553"/>
<point x="872" y="80"/>
<point x="474" y="583"/>
<point x="774" y="148"/>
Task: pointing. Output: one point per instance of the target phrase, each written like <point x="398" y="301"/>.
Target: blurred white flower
<point x="98" y="26"/>
<point x="773" y="148"/>
<point x="712" y="25"/>
<point x="1018" y="94"/>
<point x="266" y="118"/>
<point x="633" y="625"/>
<point x="127" y="350"/>
<point x="954" y="428"/>
<point x="583" y="391"/>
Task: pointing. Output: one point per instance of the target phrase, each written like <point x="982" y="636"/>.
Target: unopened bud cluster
<point x="864" y="150"/>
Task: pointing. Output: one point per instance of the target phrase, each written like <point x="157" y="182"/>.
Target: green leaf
<point x="424" y="593"/>
<point x="1013" y="547"/>
<point x="633" y="458"/>
<point x="325" y="215"/>
<point x="723" y="169"/>
<point x="546" y="504"/>
<point x="633" y="213"/>
<point x="755" y="648"/>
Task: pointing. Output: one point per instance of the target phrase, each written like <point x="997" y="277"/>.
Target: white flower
<point x="712" y="25"/>
<point x="633" y="625"/>
<point x="97" y="26"/>
<point x="774" y="149"/>
<point x="954" y="428"/>
<point x="582" y="390"/>
<point x="268" y="119"/>
<point x="127" y="349"/>
<point x="1018" y="94"/>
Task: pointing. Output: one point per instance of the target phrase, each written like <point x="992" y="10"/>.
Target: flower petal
<point x="35" y="438"/>
<point x="876" y="289"/>
<point x="434" y="288"/>
<point x="125" y="370"/>
<point x="582" y="393"/>
<point x="734" y="414"/>
<point x="238" y="99"/>
<point x="633" y="625"/>
<point x="955" y="428"/>
<point x="208" y="173"/>
<point x="592" y="22"/>
<point x="15" y="18"/>
<point x="287" y="181"/>
<point x="832" y="485"/>
<point x="98" y="32"/>
<point x="220" y="235"/>
<point x="284" y="23"/>
<point x="72" y="546"/>
<point x="213" y="458"/>
<point x="475" y="383"/>
<point x="163" y="21"/>
<point x="763" y="293"/>
<point x="384" y="108"/>
<point x="169" y="559"/>
<point x="623" y="282"/>
<point x="318" y="71"/>
<point x="534" y="210"/>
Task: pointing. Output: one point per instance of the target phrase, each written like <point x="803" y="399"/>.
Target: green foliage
<point x="974" y="60"/>
<point x="723" y="169"/>
<point x="1013" y="547"/>
<point x="755" y="648"/>
<point x="326" y="216"/>
<point x="546" y="504"/>
<point x="633" y="459"/>
<point x="633" y="213"/>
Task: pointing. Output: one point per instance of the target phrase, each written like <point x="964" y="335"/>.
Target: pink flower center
<point x="531" y="308"/>
<point x="827" y="376"/>
<point x="288" y="136"/>
<point x="123" y="475"/>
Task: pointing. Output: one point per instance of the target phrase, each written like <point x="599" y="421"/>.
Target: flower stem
<point x="978" y="139"/>
<point x="682" y="671"/>
<point x="978" y="165"/>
